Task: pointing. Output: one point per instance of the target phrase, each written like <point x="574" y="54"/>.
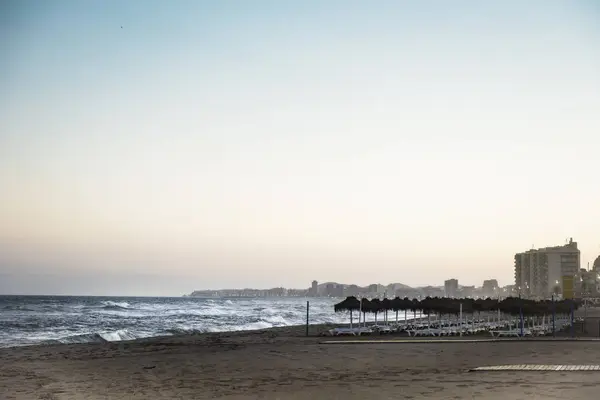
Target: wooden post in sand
<point x="307" y="308"/>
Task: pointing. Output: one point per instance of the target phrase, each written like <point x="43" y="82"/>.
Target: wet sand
<point x="282" y="364"/>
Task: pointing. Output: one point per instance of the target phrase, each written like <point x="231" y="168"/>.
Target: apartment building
<point x="539" y="272"/>
<point x="451" y="288"/>
<point x="490" y="288"/>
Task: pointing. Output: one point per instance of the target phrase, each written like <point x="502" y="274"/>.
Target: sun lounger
<point x="382" y="329"/>
<point x="350" y="331"/>
<point x="511" y="333"/>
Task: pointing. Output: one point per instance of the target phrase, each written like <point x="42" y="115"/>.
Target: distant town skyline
<point x="451" y="288"/>
<point x="147" y="148"/>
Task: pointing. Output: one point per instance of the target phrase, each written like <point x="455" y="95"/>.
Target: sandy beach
<point x="282" y="364"/>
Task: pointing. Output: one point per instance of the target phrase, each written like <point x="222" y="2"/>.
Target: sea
<point x="29" y="320"/>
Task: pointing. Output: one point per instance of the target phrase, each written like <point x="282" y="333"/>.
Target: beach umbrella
<point x="440" y="306"/>
<point x="479" y="306"/>
<point x="446" y="306"/>
<point x="386" y="305"/>
<point x="510" y="305"/>
<point x="467" y="305"/>
<point x="414" y="306"/>
<point x="397" y="305"/>
<point x="376" y="307"/>
<point x="449" y="306"/>
<point x="365" y="306"/>
<point x="406" y="305"/>
<point x="427" y="305"/>
<point x="351" y="304"/>
<point x="489" y="305"/>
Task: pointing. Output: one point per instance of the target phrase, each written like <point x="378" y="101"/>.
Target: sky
<point x="154" y="148"/>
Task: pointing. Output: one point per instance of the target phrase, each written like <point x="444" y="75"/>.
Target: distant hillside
<point x="398" y="286"/>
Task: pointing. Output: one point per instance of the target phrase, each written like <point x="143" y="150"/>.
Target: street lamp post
<point x="521" y="314"/>
<point x="553" y="316"/>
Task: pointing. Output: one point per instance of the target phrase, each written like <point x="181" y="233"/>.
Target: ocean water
<point x="27" y="320"/>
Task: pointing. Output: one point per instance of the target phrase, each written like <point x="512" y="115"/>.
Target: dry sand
<point x="281" y="364"/>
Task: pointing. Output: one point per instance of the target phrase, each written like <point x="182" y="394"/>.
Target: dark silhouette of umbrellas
<point x="397" y="305"/>
<point x="376" y="307"/>
<point x="414" y="306"/>
<point x="427" y="306"/>
<point x="386" y="305"/>
<point x="365" y="307"/>
<point x="351" y="304"/>
<point x="446" y="306"/>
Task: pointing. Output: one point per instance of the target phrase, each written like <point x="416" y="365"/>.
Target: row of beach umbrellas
<point x="454" y="306"/>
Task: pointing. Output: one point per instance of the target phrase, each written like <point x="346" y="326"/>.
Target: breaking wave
<point x="100" y="337"/>
<point x="113" y="305"/>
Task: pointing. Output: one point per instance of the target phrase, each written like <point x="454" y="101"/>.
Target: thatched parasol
<point x="350" y="303"/>
<point x="386" y="305"/>
<point x="397" y="305"/>
<point x="365" y="307"/>
<point x="376" y="307"/>
<point x="427" y="305"/>
<point x="406" y="305"/>
<point x="414" y="306"/>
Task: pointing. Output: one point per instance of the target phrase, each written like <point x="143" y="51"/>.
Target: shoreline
<point x="298" y="331"/>
<point x="315" y="330"/>
<point x="288" y="331"/>
<point x="285" y="333"/>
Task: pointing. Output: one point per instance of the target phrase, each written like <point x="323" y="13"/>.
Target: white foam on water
<point x="116" y="336"/>
<point x="277" y="320"/>
<point x="116" y="304"/>
<point x="253" y="326"/>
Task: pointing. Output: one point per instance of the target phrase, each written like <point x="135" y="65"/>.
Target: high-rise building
<point x="466" y="291"/>
<point x="490" y="288"/>
<point x="314" y="288"/>
<point x="539" y="272"/>
<point x="451" y="287"/>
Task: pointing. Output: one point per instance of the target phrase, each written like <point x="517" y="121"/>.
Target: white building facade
<point x="539" y="272"/>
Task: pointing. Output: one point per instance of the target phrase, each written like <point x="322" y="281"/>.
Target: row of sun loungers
<point x="446" y="328"/>
<point x="541" y="330"/>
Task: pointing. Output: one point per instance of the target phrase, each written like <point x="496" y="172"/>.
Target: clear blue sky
<point x="159" y="147"/>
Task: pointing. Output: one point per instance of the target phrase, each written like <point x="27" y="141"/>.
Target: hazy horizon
<point x="154" y="148"/>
